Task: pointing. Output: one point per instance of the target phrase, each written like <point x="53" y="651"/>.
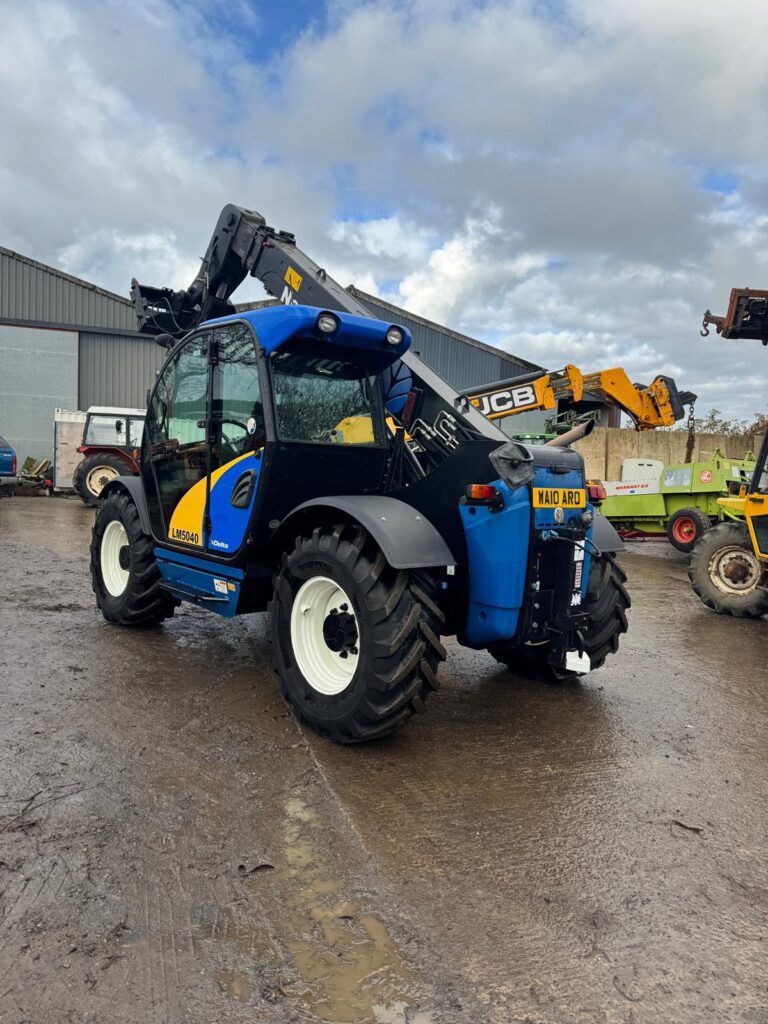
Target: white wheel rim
<point x="112" y="542"/>
<point x="739" y="563"/>
<point x="99" y="477"/>
<point x="326" y="670"/>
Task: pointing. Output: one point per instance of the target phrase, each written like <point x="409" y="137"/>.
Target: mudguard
<point x="604" y="536"/>
<point x="407" y="538"/>
<point x="133" y="485"/>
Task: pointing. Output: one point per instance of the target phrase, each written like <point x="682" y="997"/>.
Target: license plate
<point x="559" y="497"/>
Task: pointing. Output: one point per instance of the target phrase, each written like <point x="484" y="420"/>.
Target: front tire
<point x="356" y="643"/>
<point x="686" y="527"/>
<point x="93" y="474"/>
<point x="606" y="602"/>
<point x="124" y="573"/>
<point x="726" y="573"/>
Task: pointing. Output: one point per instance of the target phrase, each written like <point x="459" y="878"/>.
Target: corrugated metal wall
<point x="117" y="369"/>
<point x="461" y="363"/>
<point x="32" y="291"/>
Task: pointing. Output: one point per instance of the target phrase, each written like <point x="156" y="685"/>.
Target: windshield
<point x="323" y="400"/>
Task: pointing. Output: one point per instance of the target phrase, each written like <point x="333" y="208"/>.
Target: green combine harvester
<point x="654" y="499"/>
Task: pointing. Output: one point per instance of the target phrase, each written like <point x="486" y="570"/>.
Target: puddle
<point x="351" y="969"/>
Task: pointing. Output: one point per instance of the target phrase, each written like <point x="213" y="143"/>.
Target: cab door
<point x="756" y="504"/>
<point x="237" y="435"/>
<point x="176" y="450"/>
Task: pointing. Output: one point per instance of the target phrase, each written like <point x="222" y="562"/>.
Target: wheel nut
<point x="343" y="654"/>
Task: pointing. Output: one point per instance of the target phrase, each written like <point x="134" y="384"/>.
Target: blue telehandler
<point x="300" y="459"/>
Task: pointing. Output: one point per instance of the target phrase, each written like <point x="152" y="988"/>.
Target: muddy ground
<point x="173" y="848"/>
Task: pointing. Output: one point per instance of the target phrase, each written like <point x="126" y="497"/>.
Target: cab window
<point x="107" y="430"/>
<point x="323" y="399"/>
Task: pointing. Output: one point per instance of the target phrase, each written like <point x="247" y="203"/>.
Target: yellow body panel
<point x="186" y="525"/>
<point x="562" y="497"/>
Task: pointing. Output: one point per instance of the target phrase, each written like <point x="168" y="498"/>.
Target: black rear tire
<point x="606" y="602"/>
<point x="143" y="602"/>
<point x="686" y="527"/>
<point x="398" y="626"/>
<point x="726" y="551"/>
<point x="85" y="478"/>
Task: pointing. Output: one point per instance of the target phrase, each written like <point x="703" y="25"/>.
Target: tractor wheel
<point x="124" y="573"/>
<point x="93" y="474"/>
<point x="356" y="644"/>
<point x="606" y="601"/>
<point x="685" y="527"/>
<point x="726" y="573"/>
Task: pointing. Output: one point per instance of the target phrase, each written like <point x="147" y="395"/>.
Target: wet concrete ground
<point x="174" y="849"/>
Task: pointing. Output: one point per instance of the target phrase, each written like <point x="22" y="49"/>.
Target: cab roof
<point x="114" y="410"/>
<point x="276" y="325"/>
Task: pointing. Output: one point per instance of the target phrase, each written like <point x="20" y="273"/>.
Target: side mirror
<point x="118" y="426"/>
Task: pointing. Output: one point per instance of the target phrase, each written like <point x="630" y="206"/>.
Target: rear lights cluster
<point x="483" y="494"/>
<point x="596" y="492"/>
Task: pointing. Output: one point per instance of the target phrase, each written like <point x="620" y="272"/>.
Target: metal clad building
<point x="64" y="343"/>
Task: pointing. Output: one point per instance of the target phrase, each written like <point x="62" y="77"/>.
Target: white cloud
<point x="535" y="181"/>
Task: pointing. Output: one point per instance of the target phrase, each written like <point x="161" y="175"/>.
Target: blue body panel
<point x="217" y="591"/>
<point x="497" y="548"/>
<point x="228" y="524"/>
<point x="199" y="562"/>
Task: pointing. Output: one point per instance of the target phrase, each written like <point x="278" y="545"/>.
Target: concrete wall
<point x="38" y="374"/>
<point x="606" y="448"/>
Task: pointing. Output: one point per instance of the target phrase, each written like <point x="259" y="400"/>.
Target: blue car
<point x="7" y="468"/>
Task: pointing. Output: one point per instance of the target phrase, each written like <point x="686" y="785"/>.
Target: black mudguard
<point x="134" y="487"/>
<point x="407" y="538"/>
<point x="604" y="536"/>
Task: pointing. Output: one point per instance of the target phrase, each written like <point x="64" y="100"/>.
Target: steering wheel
<point x="233" y="443"/>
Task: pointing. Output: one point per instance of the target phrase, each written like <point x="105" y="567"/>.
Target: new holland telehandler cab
<point x="366" y="546"/>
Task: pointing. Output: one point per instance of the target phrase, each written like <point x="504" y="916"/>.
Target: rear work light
<point x="596" y="492"/>
<point x="483" y="494"/>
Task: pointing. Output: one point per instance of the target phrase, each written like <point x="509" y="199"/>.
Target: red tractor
<point x="111" y="441"/>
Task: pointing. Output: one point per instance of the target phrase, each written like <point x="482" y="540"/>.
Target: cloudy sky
<point x="574" y="180"/>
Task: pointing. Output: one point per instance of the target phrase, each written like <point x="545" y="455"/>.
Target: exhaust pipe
<point x="571" y="436"/>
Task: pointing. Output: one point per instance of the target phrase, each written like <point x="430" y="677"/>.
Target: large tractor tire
<point x="93" y="474"/>
<point x="686" y="527"/>
<point x="124" y="573"/>
<point x="606" y="602"/>
<point x="726" y="573"/>
<point x="356" y="643"/>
